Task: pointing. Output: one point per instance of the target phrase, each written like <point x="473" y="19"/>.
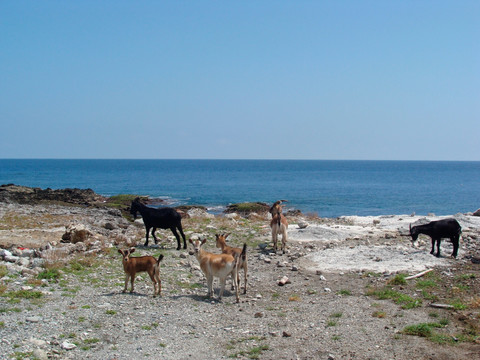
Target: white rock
<point x="40" y="354"/>
<point x="68" y="346"/>
<point x="4" y="252"/>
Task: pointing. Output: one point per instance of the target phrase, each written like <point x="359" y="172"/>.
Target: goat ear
<point x="217" y="236"/>
<point x="190" y="241"/>
<point x="226" y="235"/>
<point x="132" y="249"/>
<point x="120" y="251"/>
<point x="204" y="241"/>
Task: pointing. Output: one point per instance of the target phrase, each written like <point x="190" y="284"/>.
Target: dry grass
<point x="12" y="220"/>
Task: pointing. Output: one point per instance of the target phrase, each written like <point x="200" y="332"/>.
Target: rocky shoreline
<point x="61" y="282"/>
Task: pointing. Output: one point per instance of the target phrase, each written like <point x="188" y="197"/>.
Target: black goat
<point x="163" y="218"/>
<point x="437" y="230"/>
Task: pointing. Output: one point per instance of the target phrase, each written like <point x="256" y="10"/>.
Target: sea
<point x="327" y="188"/>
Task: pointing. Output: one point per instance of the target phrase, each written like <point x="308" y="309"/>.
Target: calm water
<point x="329" y="188"/>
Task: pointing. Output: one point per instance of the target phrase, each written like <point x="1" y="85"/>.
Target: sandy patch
<point x="388" y="249"/>
<point x="379" y="259"/>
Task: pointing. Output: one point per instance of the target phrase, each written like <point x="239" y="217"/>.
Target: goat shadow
<point x="205" y="298"/>
<point x="157" y="246"/>
<point x="128" y="293"/>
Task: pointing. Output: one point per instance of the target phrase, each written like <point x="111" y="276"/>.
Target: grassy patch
<point x="399" y="279"/>
<point x="49" y="274"/>
<point x="426" y="330"/>
<point x="294" y="297"/>
<point x="406" y="301"/>
<point x="3" y="271"/>
<point x="24" y="294"/>
<point x="379" y="314"/>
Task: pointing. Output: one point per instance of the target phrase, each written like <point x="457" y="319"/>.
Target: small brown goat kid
<point x="217" y="265"/>
<point x="279" y="224"/>
<point x="133" y="265"/>
<point x="242" y="261"/>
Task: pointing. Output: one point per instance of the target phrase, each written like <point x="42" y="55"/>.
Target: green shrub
<point x="49" y="274"/>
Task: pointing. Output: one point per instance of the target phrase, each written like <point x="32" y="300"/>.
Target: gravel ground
<point x="324" y="312"/>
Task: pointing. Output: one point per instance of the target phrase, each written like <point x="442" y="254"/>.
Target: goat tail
<point x="160" y="258"/>
<point x="243" y="255"/>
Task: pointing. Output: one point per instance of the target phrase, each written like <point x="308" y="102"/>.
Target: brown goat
<point x="217" y="265"/>
<point x="279" y="224"/>
<point x="132" y="265"/>
<point x="242" y="262"/>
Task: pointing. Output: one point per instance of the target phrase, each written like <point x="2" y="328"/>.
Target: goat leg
<point x="126" y="283"/>
<point x="210" y="286"/>
<point x="132" y="276"/>
<point x="455" y="242"/>
<point x="438" y="247"/>
<point x="153" y="234"/>
<point x="174" y="231"/>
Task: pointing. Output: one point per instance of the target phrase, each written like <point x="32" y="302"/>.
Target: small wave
<point x="215" y="210"/>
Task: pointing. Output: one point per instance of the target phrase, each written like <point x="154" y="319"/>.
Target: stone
<point x="40" y="354"/>
<point x="302" y="224"/>
<point x="4" y="253"/>
<point x="33" y="319"/>
<point x="68" y="345"/>
<point x="283" y="281"/>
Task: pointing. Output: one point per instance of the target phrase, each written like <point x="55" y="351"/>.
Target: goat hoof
<point x="178" y="248"/>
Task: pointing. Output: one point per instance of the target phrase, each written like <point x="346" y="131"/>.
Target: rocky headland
<point x="340" y="292"/>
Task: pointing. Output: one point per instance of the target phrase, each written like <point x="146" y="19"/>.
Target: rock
<point x="40" y="354"/>
<point x="4" y="253"/>
<point x="109" y="226"/>
<point x="37" y="342"/>
<point x="283" y="281"/>
<point x="258" y="315"/>
<point x="75" y="233"/>
<point x="11" y="258"/>
<point x="294" y="268"/>
<point x="476" y="213"/>
<point x="11" y="193"/>
<point x="302" y="224"/>
<point x="262" y="246"/>
<point x="33" y="319"/>
<point x="68" y="346"/>
<point x="286" y="334"/>
<point x="23" y="262"/>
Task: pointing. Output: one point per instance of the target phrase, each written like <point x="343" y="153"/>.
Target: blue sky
<point x="379" y="80"/>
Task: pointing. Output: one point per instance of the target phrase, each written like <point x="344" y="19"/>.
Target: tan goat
<point x="279" y="225"/>
<point x="132" y="265"/>
<point x="216" y="265"/>
<point x="242" y="262"/>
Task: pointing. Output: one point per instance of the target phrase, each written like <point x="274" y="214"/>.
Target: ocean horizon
<point x="329" y="188"/>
